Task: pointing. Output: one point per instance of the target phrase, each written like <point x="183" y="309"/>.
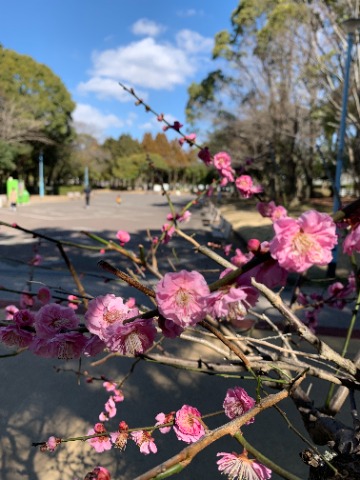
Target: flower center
<point x="303" y="243"/>
<point x="182" y="297"/>
<point x="112" y="315"/>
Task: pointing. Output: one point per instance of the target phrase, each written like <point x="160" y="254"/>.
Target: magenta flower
<point x="102" y="442"/>
<point x="145" y="441"/>
<point x="26" y="300"/>
<point x="169" y="328"/>
<point x="162" y="419"/>
<point x="44" y="295"/>
<point x="51" y="444"/>
<point x="168" y="230"/>
<point x="132" y="338"/>
<point x="181" y="297"/>
<point x="105" y="311"/>
<point x="94" y="345"/>
<point x="24" y="318"/>
<point x="123" y="237"/>
<point x="205" y="156"/>
<point x="10" y="311"/>
<point x="15" y="336"/>
<point x="299" y="244"/>
<point x="240" y="467"/>
<point x="64" y="346"/>
<point x="271" y="210"/>
<point x="188" y="426"/>
<point x="73" y="302"/>
<point x="120" y="438"/>
<point x="352" y="241"/>
<point x="99" y="473"/>
<point x="246" y="187"/>
<point x="222" y="160"/>
<point x="232" y="303"/>
<point x="237" y="402"/>
<point x="53" y="318"/>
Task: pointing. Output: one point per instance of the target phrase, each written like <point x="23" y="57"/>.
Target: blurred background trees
<point x="273" y="97"/>
<point x="276" y="92"/>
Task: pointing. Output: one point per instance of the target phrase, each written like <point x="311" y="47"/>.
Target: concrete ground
<point x="41" y="397"/>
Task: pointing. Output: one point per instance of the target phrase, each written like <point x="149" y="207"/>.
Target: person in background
<point x="118" y="199"/>
<point x="13" y="199"/>
<point x="87" y="191"/>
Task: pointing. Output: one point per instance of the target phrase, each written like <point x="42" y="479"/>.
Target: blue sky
<point x="157" y="47"/>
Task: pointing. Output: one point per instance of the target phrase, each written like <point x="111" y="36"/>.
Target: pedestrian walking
<point x="13" y="199"/>
<point x="118" y="199"/>
<point x="87" y="192"/>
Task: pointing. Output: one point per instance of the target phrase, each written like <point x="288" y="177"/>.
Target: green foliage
<point x="7" y="156"/>
<point x="39" y="90"/>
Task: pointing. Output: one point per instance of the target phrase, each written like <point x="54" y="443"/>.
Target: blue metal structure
<point x="41" y="175"/>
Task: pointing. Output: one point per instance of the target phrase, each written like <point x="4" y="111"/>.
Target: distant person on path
<point x="13" y="199"/>
<point x="87" y="191"/>
<point x="118" y="199"/>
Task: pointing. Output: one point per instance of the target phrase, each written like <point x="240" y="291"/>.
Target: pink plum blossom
<point x="15" y="336"/>
<point x="222" y="160"/>
<point x="64" y="346"/>
<point x="9" y="311"/>
<point x="181" y="297"/>
<point x="99" y="473"/>
<point x="24" y="318"/>
<point x="36" y="260"/>
<point x="205" y="156"/>
<point x="123" y="237"/>
<point x="237" y="402"/>
<point x="26" y="300"/>
<point x="231" y="302"/>
<point x="102" y="442"/>
<point x="104" y="311"/>
<point x="44" y="295"/>
<point x="271" y="210"/>
<point x="300" y="243"/>
<point x="53" y="318"/>
<point x="145" y="441"/>
<point x="188" y="425"/>
<point x="162" y="419"/>
<point x="169" y="328"/>
<point x="120" y="438"/>
<point x="73" y="302"/>
<point x="352" y="241"/>
<point x="132" y="338"/>
<point x="94" y="346"/>
<point x="190" y="139"/>
<point x="246" y="187"/>
<point x="51" y="444"/>
<point x="168" y="231"/>
<point x="240" y="467"/>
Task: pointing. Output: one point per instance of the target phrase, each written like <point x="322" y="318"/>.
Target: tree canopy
<point x="279" y="88"/>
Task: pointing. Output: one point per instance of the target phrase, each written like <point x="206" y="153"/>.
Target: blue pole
<point x="341" y="143"/>
<point x="41" y="175"/>
<point x="86" y="177"/>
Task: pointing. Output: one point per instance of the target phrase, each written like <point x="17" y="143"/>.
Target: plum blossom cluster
<point x="337" y="295"/>
<point x="301" y="243"/>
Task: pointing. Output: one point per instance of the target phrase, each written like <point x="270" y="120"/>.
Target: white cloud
<point x="147" y="27"/>
<point x="146" y="64"/>
<point x="193" y="42"/>
<point x="104" y="88"/>
<point x="90" y="120"/>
